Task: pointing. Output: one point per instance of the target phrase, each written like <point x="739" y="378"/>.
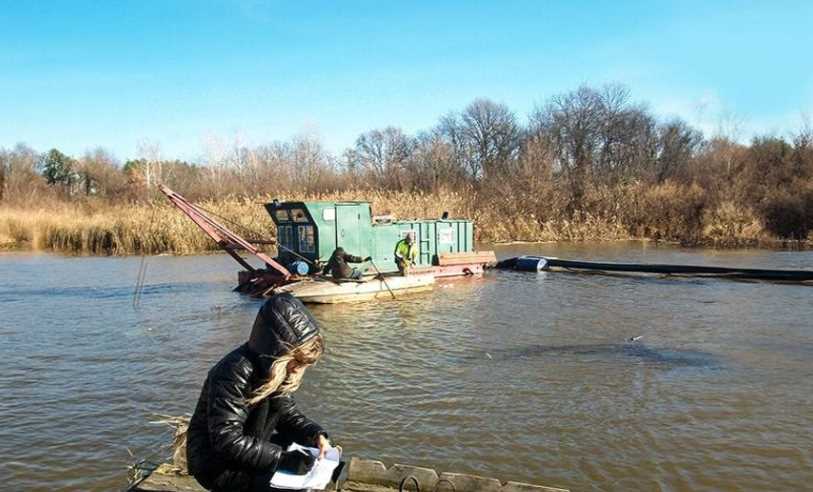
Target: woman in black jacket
<point x="245" y="417"/>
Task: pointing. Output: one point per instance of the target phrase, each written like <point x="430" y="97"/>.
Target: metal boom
<point x="226" y="239"/>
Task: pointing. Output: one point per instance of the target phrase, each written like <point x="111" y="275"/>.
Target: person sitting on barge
<point x="338" y="266"/>
<point x="245" y="417"/>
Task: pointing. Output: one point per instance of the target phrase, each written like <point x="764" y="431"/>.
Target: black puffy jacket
<point x="230" y="443"/>
<point x="338" y="266"/>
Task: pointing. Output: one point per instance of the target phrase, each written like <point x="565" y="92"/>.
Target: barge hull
<point x="327" y="291"/>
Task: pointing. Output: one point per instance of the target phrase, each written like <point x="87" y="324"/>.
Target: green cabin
<point x="313" y="230"/>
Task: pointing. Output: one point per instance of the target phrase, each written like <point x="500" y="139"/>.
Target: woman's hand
<point x="323" y="443"/>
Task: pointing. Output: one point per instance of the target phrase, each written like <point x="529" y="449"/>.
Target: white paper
<point x="317" y="478"/>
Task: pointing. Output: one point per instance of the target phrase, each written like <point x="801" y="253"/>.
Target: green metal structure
<point x="312" y="230"/>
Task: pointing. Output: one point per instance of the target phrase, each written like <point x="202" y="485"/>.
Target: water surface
<point x="515" y="375"/>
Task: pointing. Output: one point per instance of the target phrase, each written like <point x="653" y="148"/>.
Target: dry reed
<point x="663" y="212"/>
<point x="122" y="229"/>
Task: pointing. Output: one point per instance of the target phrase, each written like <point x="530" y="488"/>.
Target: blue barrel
<point x="300" y="268"/>
<point x="531" y="263"/>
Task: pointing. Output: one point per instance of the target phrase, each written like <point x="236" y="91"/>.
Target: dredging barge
<point x="308" y="233"/>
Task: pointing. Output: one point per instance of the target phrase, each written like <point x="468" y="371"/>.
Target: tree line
<point x="590" y="152"/>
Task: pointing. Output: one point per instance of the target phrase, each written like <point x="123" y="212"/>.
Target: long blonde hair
<point x="280" y="380"/>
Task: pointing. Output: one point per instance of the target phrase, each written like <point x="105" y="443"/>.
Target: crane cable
<point x="142" y="268"/>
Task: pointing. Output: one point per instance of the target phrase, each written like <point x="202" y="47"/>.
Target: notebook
<point x="317" y="478"/>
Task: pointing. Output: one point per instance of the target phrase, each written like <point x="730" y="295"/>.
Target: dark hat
<point x="282" y="324"/>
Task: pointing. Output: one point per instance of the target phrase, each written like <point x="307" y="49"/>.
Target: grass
<point x="155" y="228"/>
<point x="120" y="230"/>
<point x="161" y="228"/>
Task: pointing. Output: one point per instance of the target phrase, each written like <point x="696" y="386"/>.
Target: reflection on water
<point x="517" y="375"/>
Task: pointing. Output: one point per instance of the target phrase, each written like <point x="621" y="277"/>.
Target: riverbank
<point x="99" y="228"/>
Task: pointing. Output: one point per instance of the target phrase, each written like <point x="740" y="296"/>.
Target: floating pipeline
<point x="546" y="263"/>
<point x="635" y="352"/>
<point x="362" y="476"/>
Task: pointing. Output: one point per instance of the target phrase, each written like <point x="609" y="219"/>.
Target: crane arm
<point x="226" y="239"/>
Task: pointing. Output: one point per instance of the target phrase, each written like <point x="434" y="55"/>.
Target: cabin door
<point x="426" y="243"/>
<point x="348" y="229"/>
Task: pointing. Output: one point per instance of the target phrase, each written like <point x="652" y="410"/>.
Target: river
<point x="515" y="375"/>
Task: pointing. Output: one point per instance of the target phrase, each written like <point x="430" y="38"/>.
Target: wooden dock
<point x="363" y="476"/>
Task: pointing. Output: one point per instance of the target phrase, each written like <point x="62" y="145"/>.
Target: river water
<point x="515" y="375"/>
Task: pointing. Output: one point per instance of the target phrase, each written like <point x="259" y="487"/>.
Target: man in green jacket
<point x="406" y="252"/>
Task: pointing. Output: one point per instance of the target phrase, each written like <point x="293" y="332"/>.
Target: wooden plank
<point x="165" y="478"/>
<point x="476" y="257"/>
<point x="362" y="476"/>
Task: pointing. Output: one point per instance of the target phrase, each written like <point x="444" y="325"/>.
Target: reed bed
<point x="158" y="227"/>
<point x="122" y="229"/>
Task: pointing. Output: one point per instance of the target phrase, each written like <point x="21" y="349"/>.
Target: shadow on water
<point x="634" y="352"/>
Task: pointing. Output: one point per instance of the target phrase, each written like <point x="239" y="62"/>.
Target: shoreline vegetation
<point x="157" y="227"/>
<point x="590" y="164"/>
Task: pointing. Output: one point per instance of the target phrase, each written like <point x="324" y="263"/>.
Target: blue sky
<point x="76" y="75"/>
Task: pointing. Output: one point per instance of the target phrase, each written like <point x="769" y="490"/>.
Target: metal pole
<point x="381" y="276"/>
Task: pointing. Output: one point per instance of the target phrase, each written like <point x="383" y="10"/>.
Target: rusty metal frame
<point x="226" y="239"/>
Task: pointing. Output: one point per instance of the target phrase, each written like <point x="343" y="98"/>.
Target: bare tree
<point x="314" y="168"/>
<point x="597" y="135"/>
<point x="21" y="179"/>
<point x="276" y="167"/>
<point x="492" y="133"/>
<point x="383" y="155"/>
<point x="627" y="136"/>
<point x="150" y="152"/>
<point x="677" y="145"/>
<point x="450" y="130"/>
<point x="572" y="123"/>
<point x="485" y="138"/>
<point x="803" y="148"/>
<point x="434" y="163"/>
<point x="100" y="174"/>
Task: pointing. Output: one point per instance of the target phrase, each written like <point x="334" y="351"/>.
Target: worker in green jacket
<point x="406" y="252"/>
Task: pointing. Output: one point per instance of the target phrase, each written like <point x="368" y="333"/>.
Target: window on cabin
<point x="286" y="239"/>
<point x="281" y="215"/>
<point x="299" y="215"/>
<point x="307" y="241"/>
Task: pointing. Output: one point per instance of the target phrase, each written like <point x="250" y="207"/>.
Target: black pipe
<point x="713" y="271"/>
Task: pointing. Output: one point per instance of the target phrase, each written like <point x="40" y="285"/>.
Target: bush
<point x="731" y="224"/>
<point x="669" y="211"/>
<point x="788" y="214"/>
